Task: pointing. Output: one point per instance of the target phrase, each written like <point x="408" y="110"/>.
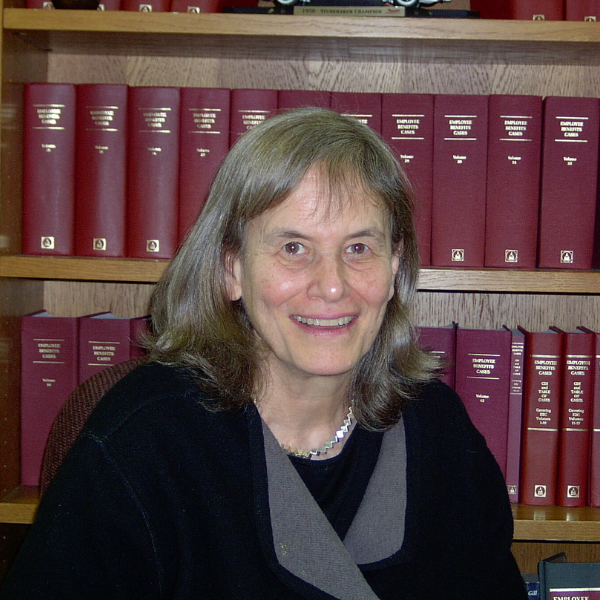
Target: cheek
<point x="273" y="289"/>
<point x="376" y="290"/>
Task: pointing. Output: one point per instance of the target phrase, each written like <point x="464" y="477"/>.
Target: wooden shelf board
<point x="184" y="34"/>
<point x="20" y="506"/>
<point x="82" y="269"/>
<point x="554" y="523"/>
<point x="541" y="281"/>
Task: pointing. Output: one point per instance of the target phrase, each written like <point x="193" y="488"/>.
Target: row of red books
<point x="115" y="171"/>
<point x="535" y="397"/>
<point x="550" y="10"/>
<point x="543" y="10"/>
<point x="58" y="354"/>
<point x="191" y="6"/>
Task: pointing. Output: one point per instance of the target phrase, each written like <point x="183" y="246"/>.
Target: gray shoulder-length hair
<point x="196" y="325"/>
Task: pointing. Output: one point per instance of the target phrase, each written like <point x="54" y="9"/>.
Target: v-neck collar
<point x="300" y="539"/>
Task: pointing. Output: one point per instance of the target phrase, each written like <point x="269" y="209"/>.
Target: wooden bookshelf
<point x="554" y="523"/>
<point x="19" y="506"/>
<point x="287" y="52"/>
<point x="539" y="281"/>
<point x="183" y="34"/>
<point x="82" y="269"/>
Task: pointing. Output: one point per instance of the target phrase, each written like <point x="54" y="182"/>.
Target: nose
<point x="329" y="279"/>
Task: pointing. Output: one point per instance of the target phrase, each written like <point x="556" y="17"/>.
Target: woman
<point x="288" y="439"/>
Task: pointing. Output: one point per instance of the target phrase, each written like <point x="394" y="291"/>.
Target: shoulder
<point x="437" y="400"/>
<point x="440" y="418"/>
<point x="151" y="388"/>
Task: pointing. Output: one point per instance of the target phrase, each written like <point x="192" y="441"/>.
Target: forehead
<point x="315" y="203"/>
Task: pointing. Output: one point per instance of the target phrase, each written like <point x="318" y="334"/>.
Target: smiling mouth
<point x="341" y="322"/>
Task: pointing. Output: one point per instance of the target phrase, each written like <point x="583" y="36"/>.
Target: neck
<point x="305" y="417"/>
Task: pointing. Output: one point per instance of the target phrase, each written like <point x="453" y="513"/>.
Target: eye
<point x="294" y="248"/>
<point x="357" y="249"/>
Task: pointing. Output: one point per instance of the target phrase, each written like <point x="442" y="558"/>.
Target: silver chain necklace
<point x="338" y="435"/>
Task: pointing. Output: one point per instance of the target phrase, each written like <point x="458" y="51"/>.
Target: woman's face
<point x="315" y="282"/>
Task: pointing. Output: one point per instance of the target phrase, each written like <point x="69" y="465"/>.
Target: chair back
<point x="75" y="412"/>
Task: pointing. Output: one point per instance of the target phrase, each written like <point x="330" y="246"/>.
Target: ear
<point x="233" y="276"/>
<point x="395" y="261"/>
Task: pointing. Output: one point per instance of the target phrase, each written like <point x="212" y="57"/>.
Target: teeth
<point x="324" y="322"/>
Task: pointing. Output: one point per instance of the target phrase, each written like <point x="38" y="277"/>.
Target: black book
<point x="562" y="580"/>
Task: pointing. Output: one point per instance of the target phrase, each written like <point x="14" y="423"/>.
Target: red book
<point x="483" y="362"/>
<point x="48" y="376"/>
<point x="249" y="107"/>
<point x="575" y="417"/>
<point x="363" y="106"/>
<point x="153" y="172"/>
<point x="407" y="127"/>
<point x="196" y="6"/>
<point x="537" y="10"/>
<point x="515" y="410"/>
<point x="289" y="99"/>
<point x="491" y="9"/>
<point x="47" y="4"/>
<point x="459" y="180"/>
<point x="513" y="181"/>
<point x="569" y="179"/>
<point x="541" y="417"/>
<point x="441" y="342"/>
<point x="101" y="173"/>
<point x="594" y="458"/>
<point x="110" y="5"/>
<point x="106" y="340"/>
<point x="520" y="9"/>
<point x="49" y="169"/>
<point x="583" y="10"/>
<point x="146" y="5"/>
<point x="203" y="144"/>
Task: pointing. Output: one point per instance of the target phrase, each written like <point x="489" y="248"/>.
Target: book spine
<point x="407" y="127"/>
<point x="482" y="382"/>
<point x="104" y="340"/>
<point x="459" y="180"/>
<point x="569" y="178"/>
<point x="49" y="169"/>
<point x="537" y="10"/>
<point x="146" y="5"/>
<point x="541" y="417"/>
<point x="138" y="328"/>
<point x="48" y="376"/>
<point x="583" y="10"/>
<point x="441" y="343"/>
<point x="101" y="173"/>
<point x="153" y="172"/>
<point x="575" y="419"/>
<point x="289" y="99"/>
<point x="515" y="411"/>
<point x="249" y="107"/>
<point x="196" y="6"/>
<point x="487" y="9"/>
<point x="362" y="106"/>
<point x="513" y="181"/>
<point x="204" y="143"/>
<point x="594" y="466"/>
<point x="46" y="4"/>
<point x="109" y="5"/>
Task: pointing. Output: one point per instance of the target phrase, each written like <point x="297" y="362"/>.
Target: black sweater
<point x="162" y="498"/>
